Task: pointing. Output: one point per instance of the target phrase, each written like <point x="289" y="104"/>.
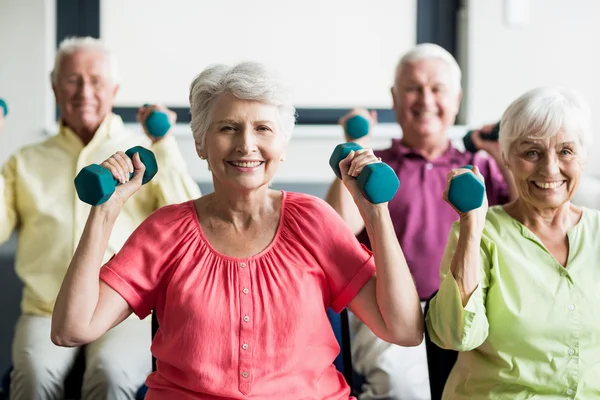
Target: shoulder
<point x="306" y="203"/>
<point x="590" y="218"/>
<point x="311" y="212"/>
<point x="171" y="217"/>
<point x="34" y="149"/>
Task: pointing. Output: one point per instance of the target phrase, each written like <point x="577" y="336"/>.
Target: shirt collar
<point x="110" y="126"/>
<point x="402" y="150"/>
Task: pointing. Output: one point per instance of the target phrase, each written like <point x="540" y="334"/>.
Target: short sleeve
<point x="347" y="263"/>
<point x="139" y="269"/>
<point x="496" y="186"/>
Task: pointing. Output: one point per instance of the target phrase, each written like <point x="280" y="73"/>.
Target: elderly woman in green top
<point x="520" y="290"/>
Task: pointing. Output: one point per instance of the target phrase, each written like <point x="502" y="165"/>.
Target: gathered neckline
<point x="252" y="257"/>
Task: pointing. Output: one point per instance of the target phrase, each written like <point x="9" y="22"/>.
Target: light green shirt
<point x="531" y="330"/>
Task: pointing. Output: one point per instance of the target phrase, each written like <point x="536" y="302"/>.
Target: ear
<point x="459" y="97"/>
<point x="115" y="91"/>
<point x="200" y="151"/>
<point x="282" y="159"/>
<point x="393" y="97"/>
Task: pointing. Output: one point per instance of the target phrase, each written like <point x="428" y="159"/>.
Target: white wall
<point x="334" y="53"/>
<point x="557" y="46"/>
<point x="27" y="29"/>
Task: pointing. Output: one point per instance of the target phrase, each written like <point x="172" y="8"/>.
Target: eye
<point x="566" y="152"/>
<point x="227" y="128"/>
<point x="263" y="128"/>
<point x="532" y="154"/>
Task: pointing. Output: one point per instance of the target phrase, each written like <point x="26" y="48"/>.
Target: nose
<point x="85" y="89"/>
<point x="246" y="143"/>
<point x="426" y="96"/>
<point x="550" y="166"/>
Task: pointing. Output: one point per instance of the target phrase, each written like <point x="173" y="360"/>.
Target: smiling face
<point x="546" y="171"/>
<point x="244" y="143"/>
<point x="84" y="91"/>
<point x="426" y="99"/>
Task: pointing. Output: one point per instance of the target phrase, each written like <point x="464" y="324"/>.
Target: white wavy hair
<point x="246" y="81"/>
<point x="430" y="51"/>
<point x="73" y="44"/>
<point x="542" y="113"/>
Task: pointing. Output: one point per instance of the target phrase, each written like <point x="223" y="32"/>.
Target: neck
<point x="241" y="209"/>
<point x="429" y="147"/>
<point x="86" y="134"/>
<point x="560" y="218"/>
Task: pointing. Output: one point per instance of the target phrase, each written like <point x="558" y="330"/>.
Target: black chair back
<point x="439" y="363"/>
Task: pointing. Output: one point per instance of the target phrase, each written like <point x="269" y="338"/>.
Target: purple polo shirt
<point x="422" y="219"/>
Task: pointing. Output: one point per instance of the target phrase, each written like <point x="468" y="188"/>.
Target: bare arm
<point x="465" y="265"/>
<point x="341" y="200"/>
<point x="86" y="307"/>
<point x="388" y="304"/>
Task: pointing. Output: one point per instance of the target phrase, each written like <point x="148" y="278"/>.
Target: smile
<point x="246" y="164"/>
<point x="549" y="185"/>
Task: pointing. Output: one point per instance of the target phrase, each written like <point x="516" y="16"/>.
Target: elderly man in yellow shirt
<point x="39" y="201"/>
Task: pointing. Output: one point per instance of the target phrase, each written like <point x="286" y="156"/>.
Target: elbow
<point x="409" y="337"/>
<point x="66" y="338"/>
<point x="62" y="340"/>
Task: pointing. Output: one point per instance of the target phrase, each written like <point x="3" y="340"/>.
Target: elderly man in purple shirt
<point x="426" y="98"/>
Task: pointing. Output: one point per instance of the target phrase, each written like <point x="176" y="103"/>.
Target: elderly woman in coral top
<point x="241" y="278"/>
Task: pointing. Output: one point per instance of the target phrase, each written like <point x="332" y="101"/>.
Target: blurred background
<point x="336" y="54"/>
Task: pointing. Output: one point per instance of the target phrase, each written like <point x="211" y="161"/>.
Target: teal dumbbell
<point x="157" y="123"/>
<point x="492" y="136"/>
<point x="4" y="107"/>
<point x="95" y="184"/>
<point x="357" y="127"/>
<point x="466" y="191"/>
<point x="378" y="182"/>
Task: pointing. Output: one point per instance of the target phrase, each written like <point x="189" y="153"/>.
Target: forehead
<point x="229" y="107"/>
<point x="84" y="62"/>
<point x="559" y="139"/>
<point x="425" y="71"/>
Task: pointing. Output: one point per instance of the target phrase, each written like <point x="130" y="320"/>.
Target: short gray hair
<point x="246" y="81"/>
<point x="430" y="51"/>
<point x="72" y="45"/>
<point x="542" y="113"/>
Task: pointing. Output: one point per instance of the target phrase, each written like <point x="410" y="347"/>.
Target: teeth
<point x="252" y="164"/>
<point x="548" y="185"/>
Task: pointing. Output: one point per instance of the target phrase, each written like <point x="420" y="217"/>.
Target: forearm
<point x="465" y="265"/>
<point x="340" y="199"/>
<point x="79" y="293"/>
<point x="396" y="294"/>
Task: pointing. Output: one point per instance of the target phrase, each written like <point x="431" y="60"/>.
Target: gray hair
<point x="430" y="51"/>
<point x="542" y="113"/>
<point x="74" y="44"/>
<point x="246" y="81"/>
